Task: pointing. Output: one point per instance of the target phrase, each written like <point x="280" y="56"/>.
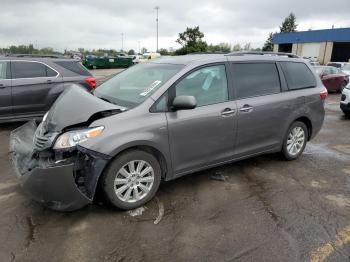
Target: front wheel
<point x="132" y="179"/>
<point x="295" y="141"/>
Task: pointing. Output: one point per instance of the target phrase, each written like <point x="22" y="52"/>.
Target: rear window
<point x="74" y="67"/>
<point x="334" y="64"/>
<point x="298" y="75"/>
<point x="255" y="79"/>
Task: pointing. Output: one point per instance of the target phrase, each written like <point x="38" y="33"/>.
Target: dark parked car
<point x="165" y="119"/>
<point x="29" y="85"/>
<point x="333" y="78"/>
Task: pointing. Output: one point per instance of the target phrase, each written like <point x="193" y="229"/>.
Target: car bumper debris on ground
<point x="261" y="209"/>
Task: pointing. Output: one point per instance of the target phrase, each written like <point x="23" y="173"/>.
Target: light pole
<point x="139" y="42"/>
<point x="122" y="41"/>
<point x="157" y="8"/>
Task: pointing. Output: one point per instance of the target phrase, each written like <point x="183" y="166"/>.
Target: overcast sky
<point x="99" y="24"/>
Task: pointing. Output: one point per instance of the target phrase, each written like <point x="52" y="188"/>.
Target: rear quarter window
<point x="298" y="75"/>
<point x="74" y="67"/>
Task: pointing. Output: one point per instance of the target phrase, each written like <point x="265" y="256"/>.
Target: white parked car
<point x="346" y="68"/>
<point x="345" y="100"/>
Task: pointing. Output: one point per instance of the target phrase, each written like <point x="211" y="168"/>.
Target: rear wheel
<point x="132" y="179"/>
<point x="295" y="140"/>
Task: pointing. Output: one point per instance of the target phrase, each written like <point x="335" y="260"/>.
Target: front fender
<point x="114" y="146"/>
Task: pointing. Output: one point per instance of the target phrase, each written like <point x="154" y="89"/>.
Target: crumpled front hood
<point x="76" y="106"/>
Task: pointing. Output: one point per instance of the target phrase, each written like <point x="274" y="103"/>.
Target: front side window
<point x="255" y="79"/>
<point x="208" y="85"/>
<point x="298" y="75"/>
<point x="134" y="85"/>
<point x="22" y="69"/>
<point x="3" y="69"/>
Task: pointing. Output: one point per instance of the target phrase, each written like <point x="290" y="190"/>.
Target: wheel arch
<point x="306" y="120"/>
<point x="164" y="164"/>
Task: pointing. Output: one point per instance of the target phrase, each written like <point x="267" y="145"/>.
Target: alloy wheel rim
<point x="134" y="181"/>
<point x="295" y="141"/>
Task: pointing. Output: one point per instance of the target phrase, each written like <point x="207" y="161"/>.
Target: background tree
<point x="222" y="47"/>
<point x="247" y="47"/>
<point x="143" y="50"/>
<point x="131" y="52"/>
<point x="164" y="51"/>
<point x="191" y="41"/>
<point x="268" y="46"/>
<point x="289" y="24"/>
<point x="237" y="47"/>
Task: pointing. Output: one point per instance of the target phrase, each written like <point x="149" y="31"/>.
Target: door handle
<point x="49" y="81"/>
<point x="228" y="111"/>
<point x="2" y="86"/>
<point x="246" y="109"/>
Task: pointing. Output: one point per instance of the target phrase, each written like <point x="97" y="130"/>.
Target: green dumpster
<point x="107" y="62"/>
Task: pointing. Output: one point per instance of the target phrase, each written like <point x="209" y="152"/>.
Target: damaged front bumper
<point x="61" y="183"/>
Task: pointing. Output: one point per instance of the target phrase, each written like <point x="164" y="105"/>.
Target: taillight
<point x="91" y="81"/>
<point x="323" y="94"/>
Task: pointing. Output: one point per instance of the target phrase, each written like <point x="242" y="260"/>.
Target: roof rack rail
<point x="262" y="53"/>
<point x="208" y="53"/>
<point x="35" y="55"/>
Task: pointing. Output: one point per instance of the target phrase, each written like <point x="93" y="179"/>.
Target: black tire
<point x="286" y="154"/>
<point x="120" y="161"/>
<point x="342" y="86"/>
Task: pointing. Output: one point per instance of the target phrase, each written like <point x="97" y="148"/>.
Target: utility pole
<point x="122" y="42"/>
<point x="157" y="8"/>
<point x="139" y="46"/>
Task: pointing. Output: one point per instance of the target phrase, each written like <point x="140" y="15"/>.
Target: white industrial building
<point x="320" y="45"/>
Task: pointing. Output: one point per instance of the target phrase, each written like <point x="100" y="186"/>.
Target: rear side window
<point x="74" y="67"/>
<point x="298" y="75"/>
<point x="255" y="79"/>
<point x="22" y="69"/>
<point x="3" y="70"/>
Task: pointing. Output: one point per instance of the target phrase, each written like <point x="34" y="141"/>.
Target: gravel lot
<point x="262" y="209"/>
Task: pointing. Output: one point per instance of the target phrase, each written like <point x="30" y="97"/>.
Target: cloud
<point x="99" y="24"/>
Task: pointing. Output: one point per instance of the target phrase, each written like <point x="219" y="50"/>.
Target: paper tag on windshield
<point x="149" y="89"/>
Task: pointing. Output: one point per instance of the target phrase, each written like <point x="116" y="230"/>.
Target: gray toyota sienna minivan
<point x="164" y="119"/>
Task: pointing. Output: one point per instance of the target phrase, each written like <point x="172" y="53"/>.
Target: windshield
<point x="346" y="67"/>
<point x="133" y="86"/>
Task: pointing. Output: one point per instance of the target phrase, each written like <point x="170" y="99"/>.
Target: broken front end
<point x="63" y="180"/>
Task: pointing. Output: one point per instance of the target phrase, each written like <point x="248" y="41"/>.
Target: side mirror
<point x="184" y="102"/>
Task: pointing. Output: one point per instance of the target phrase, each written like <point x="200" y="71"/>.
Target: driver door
<point x="205" y="135"/>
